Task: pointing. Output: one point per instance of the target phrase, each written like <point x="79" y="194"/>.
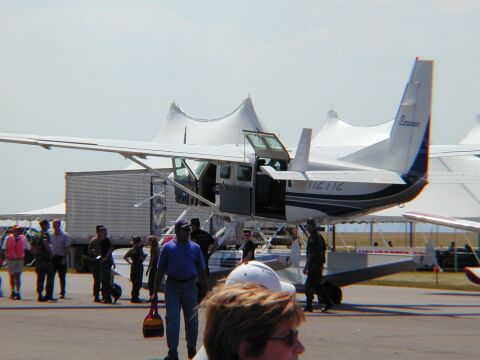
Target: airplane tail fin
<point x="406" y="151"/>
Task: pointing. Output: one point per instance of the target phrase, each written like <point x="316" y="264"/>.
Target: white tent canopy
<point x="48" y="213"/>
<point x="337" y="132"/>
<point x="180" y="127"/>
<point x="473" y="136"/>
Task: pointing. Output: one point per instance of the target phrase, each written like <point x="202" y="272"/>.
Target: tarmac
<point x="373" y="322"/>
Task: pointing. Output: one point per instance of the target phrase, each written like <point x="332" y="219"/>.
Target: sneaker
<point x="17" y="296"/>
<point x="191" y="352"/>
<point x="107" y="301"/>
<point x="62" y="296"/>
<point x="97" y="299"/>
<point x="136" y="301"/>
<point x="41" y="298"/>
<point x="308" y="308"/>
<point x="12" y="295"/>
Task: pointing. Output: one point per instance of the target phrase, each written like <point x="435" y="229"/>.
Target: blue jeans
<point x="181" y="295"/>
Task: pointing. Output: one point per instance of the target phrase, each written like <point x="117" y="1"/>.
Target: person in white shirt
<point x="60" y="248"/>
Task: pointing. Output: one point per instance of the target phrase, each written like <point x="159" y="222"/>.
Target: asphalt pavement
<point x="373" y="322"/>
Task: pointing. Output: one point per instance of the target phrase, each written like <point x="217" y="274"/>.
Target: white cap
<point x="258" y="272"/>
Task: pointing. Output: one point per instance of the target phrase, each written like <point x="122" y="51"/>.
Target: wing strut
<point x="170" y="181"/>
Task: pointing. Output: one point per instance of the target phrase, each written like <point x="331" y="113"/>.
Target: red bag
<point x="153" y="323"/>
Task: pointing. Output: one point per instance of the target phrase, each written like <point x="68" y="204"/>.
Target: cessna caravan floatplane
<point x="263" y="180"/>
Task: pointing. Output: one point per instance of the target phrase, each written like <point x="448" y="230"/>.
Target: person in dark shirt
<point x="152" y="241"/>
<point x="207" y="243"/>
<point x="135" y="257"/>
<point x="316" y="248"/>
<point x="248" y="249"/>
<point x="106" y="262"/>
<point x="94" y="254"/>
<point x="43" y="263"/>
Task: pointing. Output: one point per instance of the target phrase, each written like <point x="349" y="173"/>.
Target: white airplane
<point x="263" y="180"/>
<point x="260" y="180"/>
<point x="472" y="273"/>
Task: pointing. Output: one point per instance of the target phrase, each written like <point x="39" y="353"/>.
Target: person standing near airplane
<point x="94" y="254"/>
<point x="204" y="240"/>
<point x="152" y="241"/>
<point x="60" y="249"/>
<point x="43" y="261"/>
<point x="182" y="261"/>
<point x="135" y="257"/>
<point x="106" y="263"/>
<point x="316" y="248"/>
<point x="15" y="245"/>
<point x="248" y="248"/>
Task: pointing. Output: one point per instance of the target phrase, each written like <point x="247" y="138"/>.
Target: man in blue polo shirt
<point x="182" y="261"/>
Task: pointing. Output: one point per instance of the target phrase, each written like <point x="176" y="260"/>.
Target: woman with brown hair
<point x="248" y="321"/>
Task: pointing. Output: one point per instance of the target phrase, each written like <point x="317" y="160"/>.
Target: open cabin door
<point x="198" y="176"/>
<point x="268" y="194"/>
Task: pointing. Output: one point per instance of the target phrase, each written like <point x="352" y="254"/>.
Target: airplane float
<point x="262" y="180"/>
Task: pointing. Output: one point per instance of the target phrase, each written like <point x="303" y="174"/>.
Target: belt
<point x="179" y="280"/>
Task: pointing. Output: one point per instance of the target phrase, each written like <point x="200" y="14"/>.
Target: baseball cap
<point x="260" y="273"/>
<point x="195" y="221"/>
<point x="182" y="223"/>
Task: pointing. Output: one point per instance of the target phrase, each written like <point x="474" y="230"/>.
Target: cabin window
<point x="244" y="173"/>
<point x="225" y="171"/>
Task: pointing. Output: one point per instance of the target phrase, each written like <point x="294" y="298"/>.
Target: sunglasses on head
<point x="289" y="340"/>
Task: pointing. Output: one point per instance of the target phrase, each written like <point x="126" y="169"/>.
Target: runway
<point x="373" y="322"/>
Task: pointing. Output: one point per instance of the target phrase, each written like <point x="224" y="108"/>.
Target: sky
<point x="111" y="69"/>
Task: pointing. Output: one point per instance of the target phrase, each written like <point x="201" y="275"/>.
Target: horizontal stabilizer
<point x="357" y="176"/>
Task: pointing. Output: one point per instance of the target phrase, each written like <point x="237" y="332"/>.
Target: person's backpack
<point x="116" y="292"/>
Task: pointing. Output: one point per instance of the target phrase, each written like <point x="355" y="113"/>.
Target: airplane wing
<point x="444" y="221"/>
<point x="140" y="149"/>
<point x="373" y="176"/>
